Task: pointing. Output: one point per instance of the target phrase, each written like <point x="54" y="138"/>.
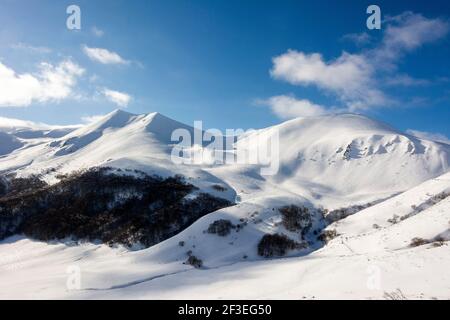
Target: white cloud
<point x="28" y="47"/>
<point x="97" y="32"/>
<point x="406" y="81"/>
<point x="357" y="38"/>
<point x="92" y="119"/>
<point x="51" y="83"/>
<point x="94" y="78"/>
<point x="288" y="107"/>
<point x="121" y="99"/>
<point x="357" y="80"/>
<point x="350" y="77"/>
<point x="10" y="123"/>
<point x="409" y="31"/>
<point x="103" y="56"/>
<point x="429" y="136"/>
<point x="304" y="69"/>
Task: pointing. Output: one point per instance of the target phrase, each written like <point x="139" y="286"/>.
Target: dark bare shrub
<point x="219" y="188"/>
<point x="295" y="218"/>
<point x="438" y="244"/>
<point x="342" y="213"/>
<point x="3" y="186"/>
<point x="328" y="235"/>
<point x="221" y="227"/>
<point x="395" y="295"/>
<point x="394" y="220"/>
<point x="416" y="242"/>
<point x="439" y="241"/>
<point x="23" y="185"/>
<point x="98" y="204"/>
<point x="275" y="245"/>
<point x="194" y="261"/>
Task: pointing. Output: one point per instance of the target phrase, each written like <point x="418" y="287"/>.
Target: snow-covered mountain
<point x="33" y="130"/>
<point x="330" y="156"/>
<point x="15" y="134"/>
<point x="350" y="194"/>
<point x="342" y="157"/>
<point x="8" y="143"/>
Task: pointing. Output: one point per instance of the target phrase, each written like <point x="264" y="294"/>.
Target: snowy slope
<point x="350" y="155"/>
<point x="119" y="139"/>
<point x="314" y="160"/>
<point x="117" y="135"/>
<point x="358" y="264"/>
<point x="15" y="134"/>
<point x="337" y="167"/>
<point x="32" y="130"/>
<point x="9" y="143"/>
<point x="325" y="162"/>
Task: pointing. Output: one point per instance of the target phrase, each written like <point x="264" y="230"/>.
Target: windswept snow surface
<point x="325" y="162"/>
<point x="8" y="143"/>
<point x="32" y="130"/>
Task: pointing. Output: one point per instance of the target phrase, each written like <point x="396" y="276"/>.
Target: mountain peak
<point x="114" y="119"/>
<point x="333" y="124"/>
<point x="119" y="111"/>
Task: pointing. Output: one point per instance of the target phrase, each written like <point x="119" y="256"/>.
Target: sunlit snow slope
<point x="325" y="163"/>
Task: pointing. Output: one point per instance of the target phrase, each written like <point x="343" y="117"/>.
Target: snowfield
<point x="395" y="246"/>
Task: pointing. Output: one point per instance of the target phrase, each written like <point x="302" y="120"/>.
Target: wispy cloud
<point x="359" y="39"/>
<point x="405" y="80"/>
<point x="10" y="123"/>
<point x="121" y="99"/>
<point x="288" y="107"/>
<point x="407" y="32"/>
<point x="97" y="32"/>
<point x="350" y="77"/>
<point x="28" y="47"/>
<point x="92" y="119"/>
<point x="429" y="136"/>
<point x="357" y="80"/>
<point x="103" y="56"/>
<point x="51" y="83"/>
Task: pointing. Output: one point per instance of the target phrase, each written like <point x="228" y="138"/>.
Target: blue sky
<point x="232" y="64"/>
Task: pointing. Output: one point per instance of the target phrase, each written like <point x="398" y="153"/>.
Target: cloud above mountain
<point x="357" y="80"/>
<point x="121" y="99"/>
<point x="92" y="118"/>
<point x="287" y="107"/>
<point x="350" y="77"/>
<point x="50" y="83"/>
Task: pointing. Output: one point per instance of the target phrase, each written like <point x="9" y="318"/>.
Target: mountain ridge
<point x="340" y="153"/>
<point x="331" y="209"/>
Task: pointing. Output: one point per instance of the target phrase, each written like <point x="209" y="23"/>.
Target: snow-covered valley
<point x="362" y="211"/>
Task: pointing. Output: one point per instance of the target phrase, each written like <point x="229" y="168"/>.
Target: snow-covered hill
<point x="340" y="160"/>
<point x="364" y="262"/>
<point x="32" y="130"/>
<point x="15" y="134"/>
<point x="385" y="188"/>
<point x="119" y="139"/>
<point x="8" y="143"/>
<point x="339" y="156"/>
